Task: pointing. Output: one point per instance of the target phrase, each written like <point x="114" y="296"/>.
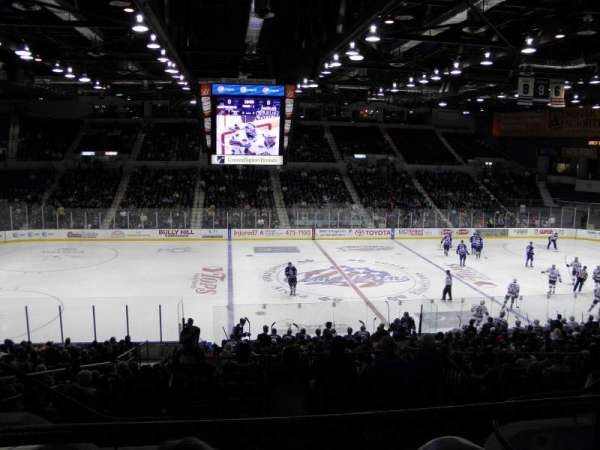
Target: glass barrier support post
<point x="27" y="323"/>
<point x="94" y="322"/>
<point x="60" y="322"/>
<point x="127" y="319"/>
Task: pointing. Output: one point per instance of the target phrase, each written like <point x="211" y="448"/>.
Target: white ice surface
<point x="196" y="280"/>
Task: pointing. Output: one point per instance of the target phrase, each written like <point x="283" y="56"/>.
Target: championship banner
<point x="541" y="87"/>
<point x="557" y="93"/>
<point x="525" y="91"/>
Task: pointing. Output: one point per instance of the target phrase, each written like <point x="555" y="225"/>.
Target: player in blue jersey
<point x="529" y="252"/>
<point x="446" y="243"/>
<point x="462" y="252"/>
<point x="291" y="274"/>
<point x="476" y="244"/>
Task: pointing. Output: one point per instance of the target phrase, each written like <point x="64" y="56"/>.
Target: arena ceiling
<point x="289" y="40"/>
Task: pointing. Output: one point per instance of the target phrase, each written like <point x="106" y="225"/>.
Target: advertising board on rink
<point x="271" y="233"/>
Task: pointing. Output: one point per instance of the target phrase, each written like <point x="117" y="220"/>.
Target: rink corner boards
<point x="250" y="234"/>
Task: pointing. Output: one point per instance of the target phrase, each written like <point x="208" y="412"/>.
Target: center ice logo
<point x="362" y="277"/>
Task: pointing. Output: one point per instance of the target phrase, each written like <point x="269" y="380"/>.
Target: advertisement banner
<point x="259" y="233"/>
<point x="568" y="122"/>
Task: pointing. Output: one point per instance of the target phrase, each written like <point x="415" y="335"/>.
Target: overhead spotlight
<point x="568" y="85"/>
<point x="69" y="73"/>
<point x="26" y="57"/>
<point x="153" y="44"/>
<point x="139" y="26"/>
<point x="411" y="82"/>
<point x="128" y="10"/>
<point x="171" y="68"/>
<point x="389" y="21"/>
<point x="559" y="35"/>
<point x="57" y="68"/>
<point x="326" y="70"/>
<point x="479" y="99"/>
<point x="335" y="62"/>
<point x="193" y="101"/>
<point x="394" y="88"/>
<point x="38" y="58"/>
<point x="84" y="78"/>
<point x="586" y="28"/>
<point x="596" y="106"/>
<point x="575" y="99"/>
<point x="186" y="88"/>
<point x="97" y="86"/>
<point x="487" y="59"/>
<point x="528" y="48"/>
<point x="442" y="104"/>
<point x="372" y="35"/>
<point x="436" y="75"/>
<point x="23" y="51"/>
<point x="580" y="81"/>
<point x="501" y="95"/>
<point x="466" y="113"/>
<point x="357" y="57"/>
<point x="351" y="49"/>
<point x="423" y="79"/>
<point x="181" y="81"/>
<point x="455" y="68"/>
<point x="595" y="80"/>
<point x="298" y="90"/>
<point x="163" y="56"/>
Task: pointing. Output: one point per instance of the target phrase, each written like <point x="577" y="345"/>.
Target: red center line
<point x="352" y="285"/>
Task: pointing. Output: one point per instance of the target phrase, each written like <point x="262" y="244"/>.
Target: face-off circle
<point x="378" y="280"/>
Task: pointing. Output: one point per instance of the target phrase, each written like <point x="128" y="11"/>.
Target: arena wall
<point x="287" y="234"/>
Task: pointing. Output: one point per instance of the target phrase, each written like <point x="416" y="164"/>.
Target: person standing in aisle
<point x="447" y="287"/>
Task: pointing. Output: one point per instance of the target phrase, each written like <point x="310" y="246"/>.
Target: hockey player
<point x="596" y="275"/>
<point x="575" y="268"/>
<point x="291" y="274"/>
<point x="553" y="275"/>
<point x="581" y="277"/>
<point x="479" y="311"/>
<point x="529" y="252"/>
<point x="446" y="243"/>
<point x="552" y="241"/>
<point x="596" y="297"/>
<point x="512" y="293"/>
<point x="476" y="244"/>
<point x="462" y="252"/>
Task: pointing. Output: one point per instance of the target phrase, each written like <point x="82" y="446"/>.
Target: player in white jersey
<point x="580" y="280"/>
<point x="575" y="268"/>
<point x="596" y="297"/>
<point x="479" y="311"/>
<point x="553" y="275"/>
<point x="512" y="293"/>
<point x="596" y="275"/>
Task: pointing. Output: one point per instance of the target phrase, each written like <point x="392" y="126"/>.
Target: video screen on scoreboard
<point x="248" y="129"/>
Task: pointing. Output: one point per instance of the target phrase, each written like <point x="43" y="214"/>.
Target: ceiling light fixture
<point x="26" y="57"/>
<point x="326" y="70"/>
<point x="97" y="85"/>
<point x="394" y="88"/>
<point x="501" y="95"/>
<point x="411" y="82"/>
<point x="139" y="26"/>
<point x="37" y="58"/>
<point x="575" y="99"/>
<point x="487" y="59"/>
<point x="596" y="106"/>
<point x="388" y="21"/>
<point x="182" y="81"/>
<point x="128" y="10"/>
<point x="466" y="113"/>
<point x="479" y="99"/>
<point x="84" y="78"/>
<point x="568" y="85"/>
<point x="423" y="79"/>
<point x="528" y="48"/>
<point x="351" y="49"/>
<point x="335" y="62"/>
<point x="372" y="35"/>
<point x="69" y="73"/>
<point x="380" y="92"/>
<point x="163" y="56"/>
<point x="57" y="68"/>
<point x="455" y="68"/>
<point x="171" y="68"/>
<point x="436" y="75"/>
<point x="23" y="51"/>
<point x="559" y="35"/>
<point x="442" y="104"/>
<point x="153" y="45"/>
<point x="595" y="80"/>
<point x="357" y="57"/>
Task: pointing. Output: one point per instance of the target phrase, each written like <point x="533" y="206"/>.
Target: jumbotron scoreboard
<point x="247" y="124"/>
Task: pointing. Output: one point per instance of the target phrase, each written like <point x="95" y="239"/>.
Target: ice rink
<point x="150" y="286"/>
